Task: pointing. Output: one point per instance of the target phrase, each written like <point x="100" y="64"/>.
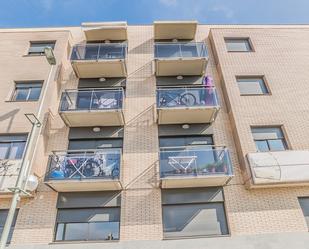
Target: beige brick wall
<point x="280" y="56"/>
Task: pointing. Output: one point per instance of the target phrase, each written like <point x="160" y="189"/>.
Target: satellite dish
<point x="32" y="183"/>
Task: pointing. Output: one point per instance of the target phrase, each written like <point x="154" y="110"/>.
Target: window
<point x="12" y="146"/>
<point x="88" y="216"/>
<point x="27" y="91"/>
<point x="269" y="139"/>
<point x="37" y="48"/>
<point x="304" y="203"/>
<point x="92" y="144"/>
<point x="252" y="85"/>
<point x="238" y="45"/>
<point x="183" y="141"/>
<point x="193" y="212"/>
<point x="3" y="215"/>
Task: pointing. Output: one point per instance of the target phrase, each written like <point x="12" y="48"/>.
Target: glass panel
<point x="11" y="138"/>
<point x="106" y="100"/>
<point x="261" y="145"/>
<point x="3" y="216"/>
<point x="194" y="220"/>
<point x="95" y="144"/>
<point x="168" y="50"/>
<point x="86" y="165"/>
<point x="17" y="150"/>
<point x="111" y="51"/>
<point x="104" y="231"/>
<point x="76" y="231"/>
<point x="252" y="86"/>
<point x="276" y="145"/>
<point x="83" y="100"/>
<point x="59" y="233"/>
<point x="4" y="149"/>
<point x="91" y="52"/>
<point x="185" y="141"/>
<point x="267" y="133"/>
<point x="35" y="93"/>
<point x="238" y="45"/>
<point x="304" y="203"/>
<point x="188" y="97"/>
<point x="21" y="94"/>
<point x="189" y="50"/>
<point x="38" y="47"/>
<point x="201" y="160"/>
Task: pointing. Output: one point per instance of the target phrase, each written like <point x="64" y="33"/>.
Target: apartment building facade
<point x="171" y="135"/>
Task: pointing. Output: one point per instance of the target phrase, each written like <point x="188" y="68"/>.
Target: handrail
<point x="194" y="87"/>
<point x="94" y="99"/>
<point x="187" y="97"/>
<point x="95" y="89"/>
<point x="100" y="163"/>
<point x="93" y="51"/>
<point x="179" y="163"/>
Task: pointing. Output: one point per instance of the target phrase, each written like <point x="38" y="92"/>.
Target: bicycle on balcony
<point x="172" y="98"/>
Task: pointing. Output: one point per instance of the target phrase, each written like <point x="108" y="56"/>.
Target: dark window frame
<point x="283" y="138"/>
<point x="48" y="42"/>
<point x="18" y="85"/>
<point x="302" y="209"/>
<point x="252" y="77"/>
<point x="247" y="39"/>
<point x="87" y="240"/>
<point x="12" y="226"/>
<point x="11" y="143"/>
<point x="198" y="236"/>
<point x="188" y="136"/>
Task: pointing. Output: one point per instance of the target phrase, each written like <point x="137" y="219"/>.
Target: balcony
<point x="198" y="166"/>
<point x="90" y="170"/>
<point x="173" y="59"/>
<point x="279" y="168"/>
<point x="92" y="107"/>
<point x="96" y="60"/>
<point x="100" y="31"/>
<point x="187" y="105"/>
<point x="168" y="30"/>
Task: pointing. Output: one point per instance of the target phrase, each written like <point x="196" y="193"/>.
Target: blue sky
<point x="33" y="13"/>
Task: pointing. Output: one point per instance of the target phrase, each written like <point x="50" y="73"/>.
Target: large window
<point x="88" y="216"/>
<point x="27" y="91"/>
<point x="12" y="146"/>
<point x="37" y="47"/>
<point x="238" y="45"/>
<point x="269" y="139"/>
<point x="252" y="85"/>
<point x="304" y="203"/>
<point x="193" y="212"/>
<point x="3" y="216"/>
<point x="183" y="141"/>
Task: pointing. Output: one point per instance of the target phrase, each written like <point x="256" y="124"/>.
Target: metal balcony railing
<point x="174" y="50"/>
<point x="91" y="99"/>
<point x="187" y="97"/>
<point x="99" y="51"/>
<point x="86" y="164"/>
<point x="195" y="161"/>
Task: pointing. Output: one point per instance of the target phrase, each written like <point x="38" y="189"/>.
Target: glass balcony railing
<point x="89" y="164"/>
<point x="99" y="51"/>
<point x="194" y="161"/>
<point x="187" y="97"/>
<point x="91" y="99"/>
<point x="176" y="50"/>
